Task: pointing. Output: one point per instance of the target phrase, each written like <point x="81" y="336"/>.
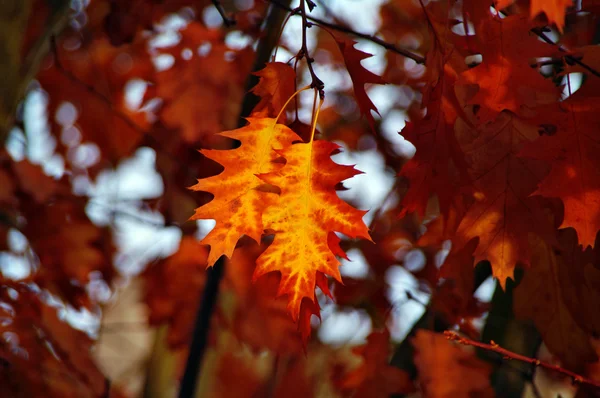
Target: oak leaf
<point x="239" y="202"/>
<point x="275" y="87"/>
<point x="302" y="217"/>
<point x="359" y="75"/>
<point x="548" y="294"/>
<point x="438" y="166"/>
<point x="502" y="213"/>
<point x="554" y="9"/>
<point x="571" y="146"/>
<point x="504" y="80"/>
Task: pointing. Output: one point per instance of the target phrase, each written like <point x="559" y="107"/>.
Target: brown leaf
<point x="447" y="370"/>
<point x="549" y="295"/>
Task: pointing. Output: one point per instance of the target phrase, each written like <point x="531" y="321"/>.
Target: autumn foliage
<point x="127" y="124"/>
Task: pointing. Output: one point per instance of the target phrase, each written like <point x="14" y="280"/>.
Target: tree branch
<point x="570" y="58"/>
<point x="374" y="39"/>
<point x="229" y="22"/>
<point x="215" y="275"/>
<point x="577" y="379"/>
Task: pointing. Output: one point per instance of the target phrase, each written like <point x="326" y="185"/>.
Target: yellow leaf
<point x="302" y="218"/>
<point x="239" y="201"/>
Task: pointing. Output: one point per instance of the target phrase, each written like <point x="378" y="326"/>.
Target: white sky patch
<point x="358" y="13"/>
<point x="345" y="327"/>
<point x="485" y="292"/>
<point x="40" y="143"/>
<point x="405" y="312"/>
<point x="204" y="228"/>
<point x="163" y="62"/>
<point x="236" y="40"/>
<point x="14" y="266"/>
<point x="376" y="63"/>
<point x="134" y="93"/>
<point x="115" y="199"/>
<point x="211" y="17"/>
<point x="16" y="144"/>
<point x="572" y="82"/>
<point x="415" y="260"/>
<point x="391" y="127"/>
<point x="385" y="97"/>
<point x="135" y="178"/>
<point x="357" y="267"/>
<point x="369" y="189"/>
<point x="141" y="243"/>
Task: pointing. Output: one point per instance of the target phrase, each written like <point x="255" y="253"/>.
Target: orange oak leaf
<point x="302" y="217"/>
<point x="504" y="80"/>
<point x="359" y="75"/>
<point x="572" y="150"/>
<point x="239" y="202"/>
<point x="501" y="214"/>
<point x="554" y="9"/>
<point x="375" y="377"/>
<point x="548" y="294"/>
<point x="438" y="167"/>
<point x="447" y="370"/>
<point x="275" y="86"/>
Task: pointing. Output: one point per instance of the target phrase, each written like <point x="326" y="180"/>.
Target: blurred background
<point x="105" y="146"/>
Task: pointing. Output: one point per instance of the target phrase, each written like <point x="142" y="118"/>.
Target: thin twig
<point x="570" y="58"/>
<point x="576" y="378"/>
<point x="374" y="39"/>
<point x="540" y="33"/>
<point x="316" y="82"/>
<point x="229" y="22"/>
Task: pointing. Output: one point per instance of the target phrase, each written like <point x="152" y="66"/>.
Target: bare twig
<point x="576" y="378"/>
<point x="229" y="22"/>
<point x="569" y="58"/>
<point x="316" y="82"/>
<point x="374" y="39"/>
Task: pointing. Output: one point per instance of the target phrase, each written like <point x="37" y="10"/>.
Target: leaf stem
<point x="576" y="378"/>
<point x="315" y="117"/>
<point x="289" y="99"/>
<point x="316" y="82"/>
